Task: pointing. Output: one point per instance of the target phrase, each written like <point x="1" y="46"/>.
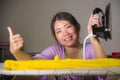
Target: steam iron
<point x="104" y="30"/>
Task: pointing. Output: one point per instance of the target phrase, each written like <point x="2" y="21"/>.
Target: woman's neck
<point x="73" y="52"/>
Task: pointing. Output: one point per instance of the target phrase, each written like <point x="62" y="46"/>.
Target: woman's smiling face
<point x="65" y="33"/>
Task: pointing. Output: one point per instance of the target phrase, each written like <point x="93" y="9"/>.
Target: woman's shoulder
<point x="88" y="44"/>
<point x="50" y="52"/>
<point x="55" y="47"/>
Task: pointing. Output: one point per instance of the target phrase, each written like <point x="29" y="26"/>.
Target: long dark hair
<point x="65" y="16"/>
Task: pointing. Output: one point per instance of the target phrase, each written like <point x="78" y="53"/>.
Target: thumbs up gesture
<point x="16" y="41"/>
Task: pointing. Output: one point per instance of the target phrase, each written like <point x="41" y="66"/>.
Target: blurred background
<point x="32" y="18"/>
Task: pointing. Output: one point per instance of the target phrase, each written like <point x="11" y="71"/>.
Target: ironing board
<point x="83" y="71"/>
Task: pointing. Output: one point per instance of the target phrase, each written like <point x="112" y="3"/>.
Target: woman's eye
<point x="58" y="32"/>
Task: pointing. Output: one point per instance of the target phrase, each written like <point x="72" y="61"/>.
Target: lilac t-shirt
<point x="52" y="51"/>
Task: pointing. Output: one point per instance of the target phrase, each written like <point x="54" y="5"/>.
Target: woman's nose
<point x="65" y="32"/>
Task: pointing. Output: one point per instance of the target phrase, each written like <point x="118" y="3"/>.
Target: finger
<point x="96" y="15"/>
<point x="96" y="23"/>
<point x="91" y="16"/>
<point x="90" y="20"/>
<point x="17" y="40"/>
<point x="10" y="31"/>
<point x="18" y="44"/>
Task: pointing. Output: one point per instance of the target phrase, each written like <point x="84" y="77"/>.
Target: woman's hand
<point x="94" y="19"/>
<point x="16" y="41"/>
<point x="97" y="47"/>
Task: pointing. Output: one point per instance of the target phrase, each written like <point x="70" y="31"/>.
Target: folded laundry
<point x="58" y="63"/>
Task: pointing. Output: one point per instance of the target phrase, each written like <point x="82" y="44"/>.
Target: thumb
<point x="10" y="31"/>
<point x="10" y="34"/>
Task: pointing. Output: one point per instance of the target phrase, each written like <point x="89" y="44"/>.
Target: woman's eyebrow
<point x="57" y="29"/>
<point x="66" y="24"/>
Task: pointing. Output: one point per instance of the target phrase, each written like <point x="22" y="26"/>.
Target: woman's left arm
<point x="97" y="46"/>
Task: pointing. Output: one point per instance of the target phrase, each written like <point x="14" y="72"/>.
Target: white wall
<point x="115" y="9"/>
<point x="31" y="18"/>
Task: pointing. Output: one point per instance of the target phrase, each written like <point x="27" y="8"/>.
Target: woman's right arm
<point x="16" y="43"/>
